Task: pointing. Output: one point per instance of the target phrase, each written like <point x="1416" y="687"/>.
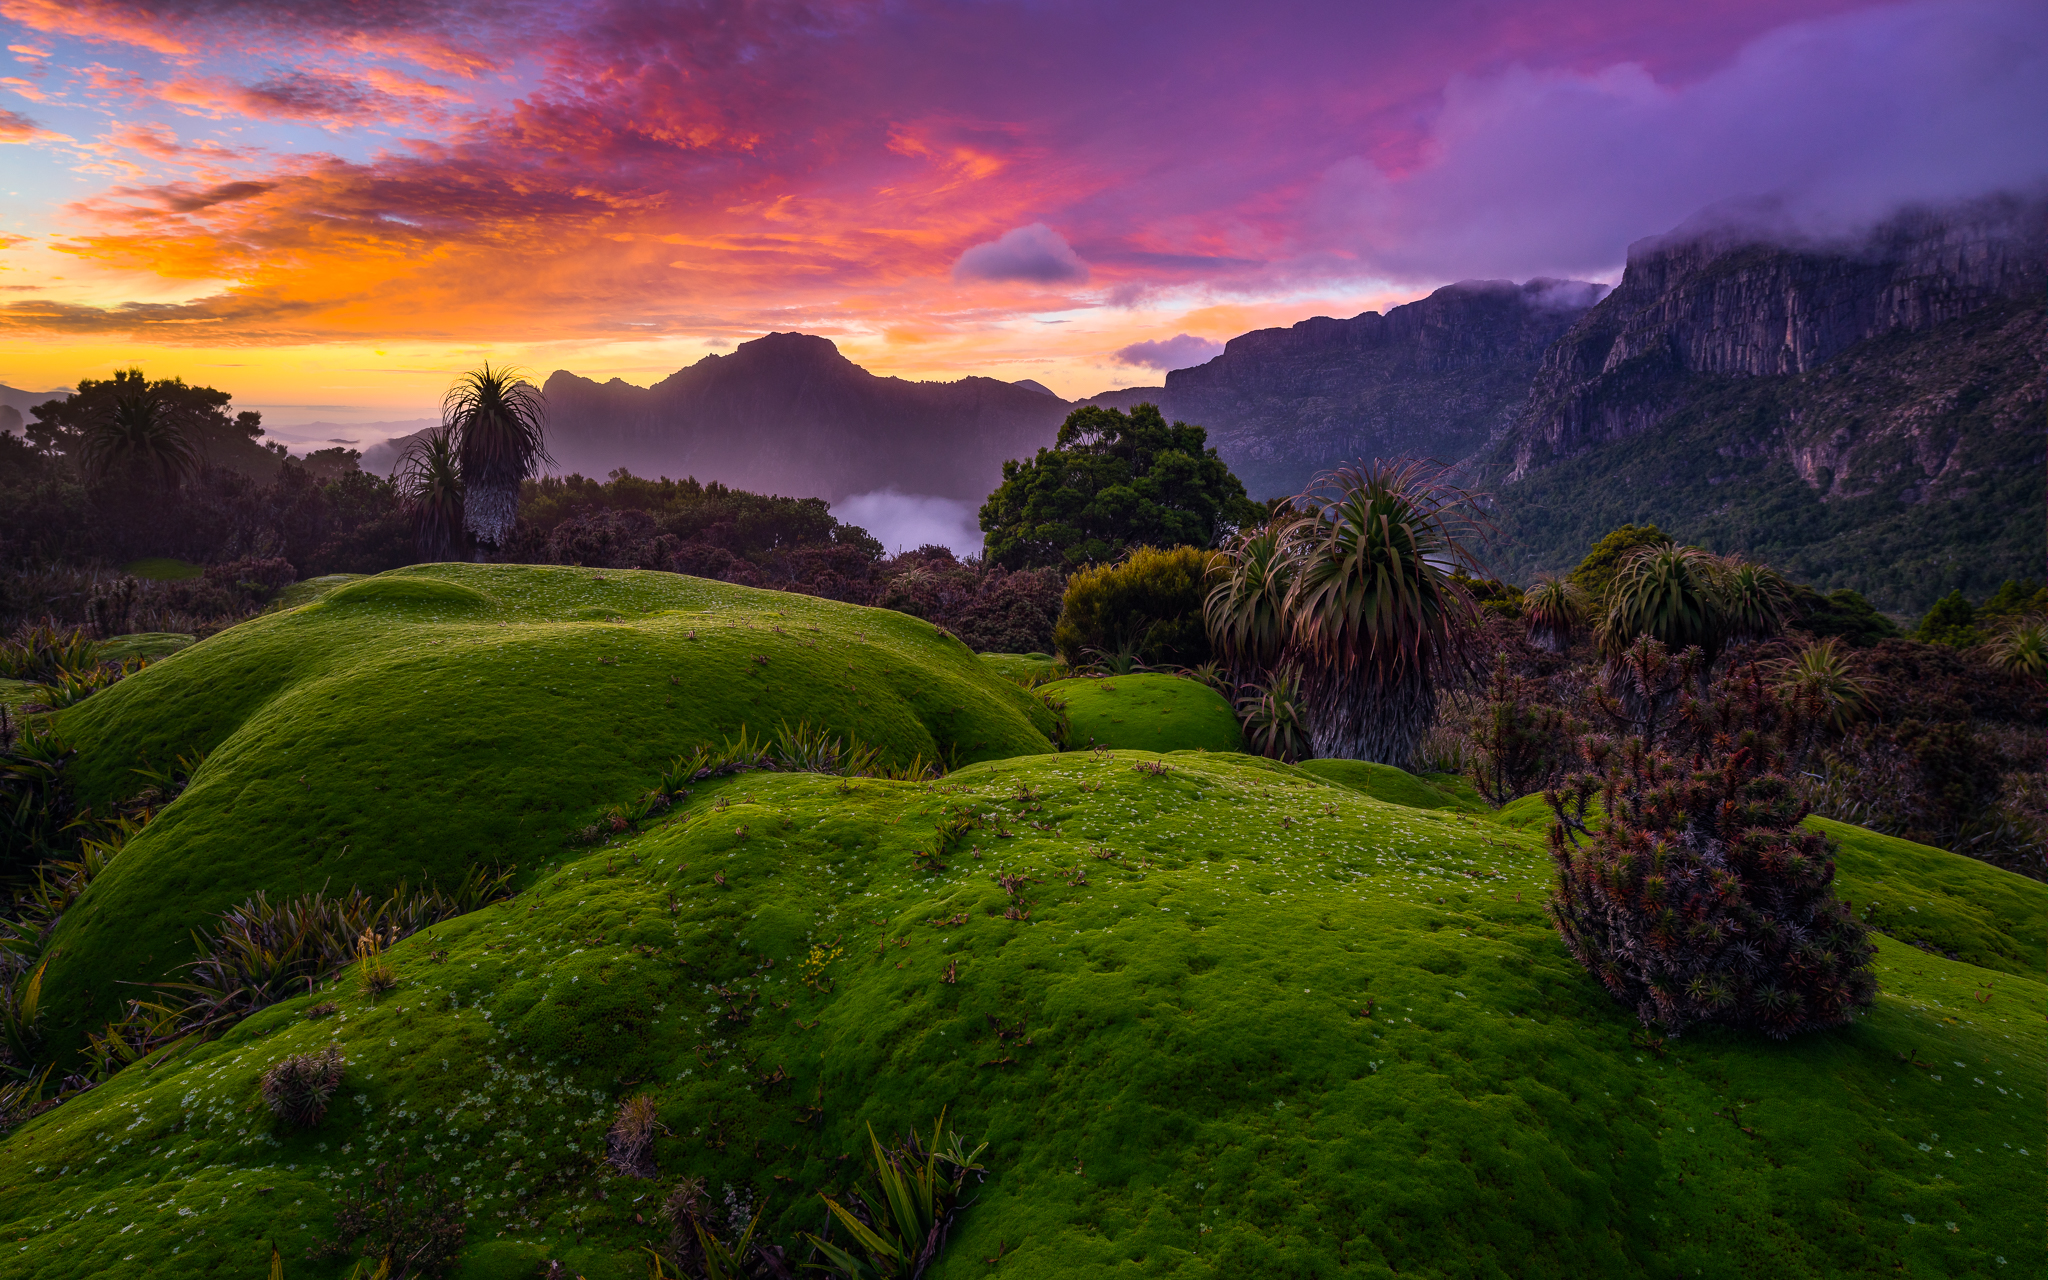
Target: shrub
<point x="1149" y="604"/>
<point x="253" y="578"/>
<point x="630" y="1143"/>
<point x="38" y="653"/>
<point x="1597" y="570"/>
<point x="297" y="1088"/>
<point x="1274" y="724"/>
<point x="1520" y="744"/>
<point x="897" y="1226"/>
<point x="1700" y="898"/>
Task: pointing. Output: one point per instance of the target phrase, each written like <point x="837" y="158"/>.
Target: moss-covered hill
<point x="415" y="723"/>
<point x="1146" y="713"/>
<point x="1248" y="1023"/>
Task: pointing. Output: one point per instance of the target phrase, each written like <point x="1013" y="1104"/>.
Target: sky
<point x="329" y="208"/>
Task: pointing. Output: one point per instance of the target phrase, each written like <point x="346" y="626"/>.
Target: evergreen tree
<point x="1113" y="481"/>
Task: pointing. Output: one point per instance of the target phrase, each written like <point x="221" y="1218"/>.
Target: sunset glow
<point x="328" y="208"/>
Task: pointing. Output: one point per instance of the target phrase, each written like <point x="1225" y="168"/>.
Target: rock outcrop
<point x="1717" y="299"/>
<point x="1434" y="378"/>
<point x="1864" y="414"/>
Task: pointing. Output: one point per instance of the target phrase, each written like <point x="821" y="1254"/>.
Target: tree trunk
<point x="489" y="510"/>
<point x="1351" y="716"/>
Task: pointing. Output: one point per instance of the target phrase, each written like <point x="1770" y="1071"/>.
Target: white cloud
<point x="906" y="521"/>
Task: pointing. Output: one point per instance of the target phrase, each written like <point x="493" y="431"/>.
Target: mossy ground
<point x="414" y="724"/>
<point x="1146" y="713"/>
<point x="1024" y="667"/>
<point x="1397" y="786"/>
<point x="165" y="569"/>
<point x="1282" y="1029"/>
<point x="1247" y="1022"/>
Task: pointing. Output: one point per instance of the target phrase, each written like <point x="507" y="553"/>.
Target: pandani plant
<point x="499" y="423"/>
<point x="1376" y="622"/>
<point x="430" y="478"/>
<point x="1556" y="611"/>
<point x="1246" y="605"/>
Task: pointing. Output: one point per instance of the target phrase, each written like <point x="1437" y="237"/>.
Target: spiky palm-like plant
<point x="430" y="477"/>
<point x="500" y="424"/>
<point x="1677" y="595"/>
<point x="1246" y="609"/>
<point x="1830" y="678"/>
<point x="1555" y="609"/>
<point x="139" y="432"/>
<point x="1376" y="621"/>
<point x="2022" y="648"/>
<point x="1756" y="601"/>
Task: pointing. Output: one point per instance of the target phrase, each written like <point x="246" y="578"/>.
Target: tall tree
<point x="200" y="415"/>
<point x="499" y="421"/>
<point x="137" y="436"/>
<point x="1113" y="481"/>
<point x="1376" y="618"/>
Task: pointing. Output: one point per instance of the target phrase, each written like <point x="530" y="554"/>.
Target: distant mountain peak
<point x="1032" y="384"/>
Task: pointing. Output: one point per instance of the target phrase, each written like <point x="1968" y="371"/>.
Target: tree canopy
<point x="1113" y="481"/>
<point x="198" y="414"/>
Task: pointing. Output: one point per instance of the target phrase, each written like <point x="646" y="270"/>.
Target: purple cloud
<point x="1035" y="254"/>
<point x="1837" y="121"/>
<point x="1181" y="351"/>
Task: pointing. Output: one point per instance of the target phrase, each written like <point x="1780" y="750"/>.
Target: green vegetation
<point x="1396" y="786"/>
<point x="1889" y="531"/>
<point x="165" y="569"/>
<point x="1251" y="1025"/>
<point x="1597" y="570"/>
<point x="1028" y="669"/>
<point x="1144" y="609"/>
<point x="1112" y="481"/>
<point x="1146" y="713"/>
<point x="495" y="426"/>
<point x="418" y="723"/>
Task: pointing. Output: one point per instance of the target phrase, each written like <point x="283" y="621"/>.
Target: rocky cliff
<point x="1864" y="414"/>
<point x="1434" y="378"/>
<point x="787" y="413"/>
<point x="1720" y="300"/>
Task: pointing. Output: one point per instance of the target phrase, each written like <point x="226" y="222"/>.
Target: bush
<point x="298" y="1087"/>
<point x="630" y="1143"/>
<point x="1700" y="898"/>
<point x="255" y="579"/>
<point x="1149" y="604"/>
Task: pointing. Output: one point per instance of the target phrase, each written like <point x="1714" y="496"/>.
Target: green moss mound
<point x="307" y="590"/>
<point x="410" y="725"/>
<point x="1282" y="1028"/>
<point x="1398" y="786"/>
<point x="144" y="644"/>
<point x="165" y="569"/>
<point x="1146" y="713"/>
<point x="1027" y="668"/>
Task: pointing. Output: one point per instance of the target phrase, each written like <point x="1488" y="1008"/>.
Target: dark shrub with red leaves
<point x="1699" y="898"/>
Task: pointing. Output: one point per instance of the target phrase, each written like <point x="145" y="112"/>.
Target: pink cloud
<point x="1033" y="254"/>
<point x="898" y="168"/>
<point x="1181" y="351"/>
<point x="15" y="127"/>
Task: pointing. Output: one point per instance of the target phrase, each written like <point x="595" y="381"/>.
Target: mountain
<point x="1434" y="378"/>
<point x="15" y="404"/>
<point x="1864" y="413"/>
<point x="787" y="413"/>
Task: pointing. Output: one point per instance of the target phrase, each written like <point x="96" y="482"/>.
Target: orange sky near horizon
<point x="330" y="210"/>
